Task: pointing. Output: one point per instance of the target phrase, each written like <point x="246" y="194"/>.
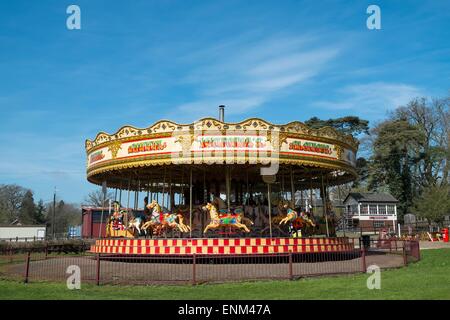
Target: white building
<point x="371" y="210"/>
<point x="22" y="233"/>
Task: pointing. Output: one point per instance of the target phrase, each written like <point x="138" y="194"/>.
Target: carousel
<point x="212" y="187"/>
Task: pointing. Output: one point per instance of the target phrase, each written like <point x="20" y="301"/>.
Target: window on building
<point x="364" y="209"/>
<point x="373" y="209"/>
<point x="390" y="209"/>
<point x="378" y="224"/>
<point x="381" y="209"/>
<point x="352" y="210"/>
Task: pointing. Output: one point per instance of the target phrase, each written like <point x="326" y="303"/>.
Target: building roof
<point x="371" y="197"/>
<point x="22" y="226"/>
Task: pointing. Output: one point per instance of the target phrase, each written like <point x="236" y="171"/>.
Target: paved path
<point x="434" y="245"/>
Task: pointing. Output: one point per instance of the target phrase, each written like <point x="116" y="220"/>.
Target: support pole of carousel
<point x="324" y="204"/>
<point x="169" y="198"/>
<point x="247" y="197"/>
<point x="269" y="203"/>
<point x="190" y="203"/>
<point x="164" y="188"/>
<point x="136" y="205"/>
<point x="182" y="200"/>
<point x="148" y="190"/>
<point x="120" y="194"/>
<point x="310" y="195"/>
<point x="292" y="189"/>
<point x="128" y="199"/>
<point x="104" y="191"/>
<point x="228" y="186"/>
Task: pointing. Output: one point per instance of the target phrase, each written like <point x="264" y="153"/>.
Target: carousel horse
<point x="136" y="225"/>
<point x="291" y="216"/>
<point x="240" y="211"/>
<point x="158" y="221"/>
<point x="223" y="220"/>
<point x="117" y="222"/>
<point x="297" y="222"/>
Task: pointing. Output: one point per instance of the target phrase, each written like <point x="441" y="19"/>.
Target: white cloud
<point x="375" y="98"/>
<point x="245" y="75"/>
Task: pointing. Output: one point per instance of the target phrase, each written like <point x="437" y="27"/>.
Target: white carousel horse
<point x="136" y="225"/>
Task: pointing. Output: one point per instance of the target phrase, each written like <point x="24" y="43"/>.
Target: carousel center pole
<point x="190" y="204"/>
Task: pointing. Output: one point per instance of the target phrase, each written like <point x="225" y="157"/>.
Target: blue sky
<point x="135" y="62"/>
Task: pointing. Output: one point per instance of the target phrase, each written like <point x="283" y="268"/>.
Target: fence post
<point x="405" y="259"/>
<point x="418" y="250"/>
<point x="10" y="255"/>
<point x="363" y="260"/>
<point x="290" y="266"/>
<point x="27" y="266"/>
<point x="193" y="269"/>
<point x="97" y="275"/>
<point x="46" y="250"/>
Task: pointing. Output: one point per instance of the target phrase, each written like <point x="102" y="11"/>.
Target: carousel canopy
<point x="166" y="152"/>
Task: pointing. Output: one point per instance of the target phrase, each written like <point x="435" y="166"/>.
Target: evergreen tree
<point x="27" y="211"/>
<point x="39" y="217"/>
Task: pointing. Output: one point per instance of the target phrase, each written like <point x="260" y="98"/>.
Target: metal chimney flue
<point x="222" y="113"/>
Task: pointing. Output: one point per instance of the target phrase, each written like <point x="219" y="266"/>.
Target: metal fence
<point x="193" y="269"/>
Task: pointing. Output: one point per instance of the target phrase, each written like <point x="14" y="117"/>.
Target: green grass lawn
<point x="427" y="279"/>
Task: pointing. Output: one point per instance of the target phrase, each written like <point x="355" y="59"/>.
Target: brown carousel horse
<point x="223" y="220"/>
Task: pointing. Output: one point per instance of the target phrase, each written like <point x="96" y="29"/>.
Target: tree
<point x="27" y="212"/>
<point x="410" y="150"/>
<point x="66" y="215"/>
<point x="431" y="118"/>
<point x="348" y="125"/>
<point x="362" y="168"/>
<point x="40" y="213"/>
<point x="95" y="198"/>
<point x="392" y="159"/>
<point x="10" y="202"/>
<point x="433" y="204"/>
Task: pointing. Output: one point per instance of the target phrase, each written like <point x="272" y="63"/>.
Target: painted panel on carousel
<point x="309" y="147"/>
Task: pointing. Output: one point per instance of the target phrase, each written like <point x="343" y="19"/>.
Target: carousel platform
<point x="222" y="246"/>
